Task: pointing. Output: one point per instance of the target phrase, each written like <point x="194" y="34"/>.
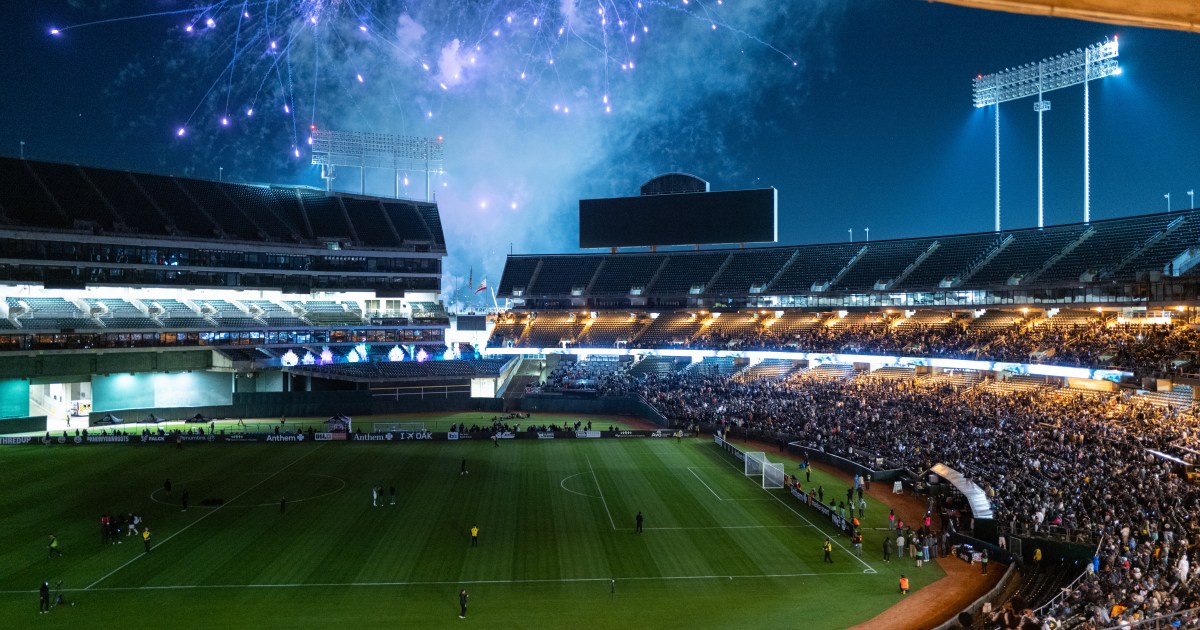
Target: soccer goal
<point x="754" y="463"/>
<point x="772" y="476"/>
<point x="384" y="427"/>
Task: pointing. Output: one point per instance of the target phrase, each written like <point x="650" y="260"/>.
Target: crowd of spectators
<point x="1054" y="462"/>
<point x="1143" y="349"/>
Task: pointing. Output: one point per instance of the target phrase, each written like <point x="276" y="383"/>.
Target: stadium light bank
<point x="1072" y="68"/>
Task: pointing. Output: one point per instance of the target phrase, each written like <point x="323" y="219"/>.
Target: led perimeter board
<point x="733" y="216"/>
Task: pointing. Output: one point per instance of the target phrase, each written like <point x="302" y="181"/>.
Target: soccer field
<point x="556" y="521"/>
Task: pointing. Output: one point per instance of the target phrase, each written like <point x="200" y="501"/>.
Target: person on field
<point x="463" y="469"/>
<point x="887" y="549"/>
<point x="462" y="603"/>
<point x="146" y="538"/>
<point x="904" y="585"/>
<point x="638" y="519"/>
<point x="183" y="499"/>
<point x="474" y="535"/>
<point x="44" y="598"/>
<point x="52" y="547"/>
<point x="392" y="495"/>
<point x="828" y="548"/>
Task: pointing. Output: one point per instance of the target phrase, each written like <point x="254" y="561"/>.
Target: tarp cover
<point x="980" y="506"/>
<point x="1179" y="15"/>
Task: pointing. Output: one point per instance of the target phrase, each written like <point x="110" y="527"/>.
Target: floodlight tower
<point x="1073" y="68"/>
<point x="362" y="150"/>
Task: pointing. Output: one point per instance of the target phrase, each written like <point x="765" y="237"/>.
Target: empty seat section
<point x="1112" y="242"/>
<point x="885" y="261"/>
<point x="178" y="208"/>
<point x="622" y="272"/>
<point x="517" y="274"/>
<point x="606" y="329"/>
<point x="683" y="272"/>
<point x="551" y="329"/>
<point x="325" y="216"/>
<point x="369" y="224"/>
<point x="1157" y="256"/>
<point x="73" y="193"/>
<point x="23" y="200"/>
<point x="669" y="328"/>
<point x="814" y="264"/>
<point x="287" y="210"/>
<point x="232" y="221"/>
<point x="562" y="274"/>
<point x="749" y="269"/>
<point x="122" y="314"/>
<point x="262" y="207"/>
<point x="408" y="222"/>
<point x="1027" y="253"/>
<point x="433" y="220"/>
<point x="953" y="257"/>
<point x="129" y="201"/>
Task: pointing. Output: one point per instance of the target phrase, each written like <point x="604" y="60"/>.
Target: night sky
<point x="858" y="112"/>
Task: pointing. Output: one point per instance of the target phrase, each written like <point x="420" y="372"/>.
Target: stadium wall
<point x="27" y="424"/>
<point x="604" y="405"/>
<point x="14" y="398"/>
<point x="169" y="390"/>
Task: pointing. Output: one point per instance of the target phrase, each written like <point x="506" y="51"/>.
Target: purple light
<point x="180" y="132"/>
<point x="296" y="152"/>
<point x="310" y="141"/>
<point x="210" y="23"/>
<point x="246" y="14"/>
<point x="360" y="79"/>
<point x="225" y="121"/>
<point x="326" y="356"/>
<point x="188" y="28"/>
<point x="274" y="45"/>
<point x="55" y="31"/>
<point x="286" y="109"/>
<point x="249" y="112"/>
<point x="362" y="28"/>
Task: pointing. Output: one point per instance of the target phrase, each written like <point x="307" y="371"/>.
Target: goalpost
<point x="772" y="476"/>
<point x="384" y="427"/>
<point x="754" y="463"/>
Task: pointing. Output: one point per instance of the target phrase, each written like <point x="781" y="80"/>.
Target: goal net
<point x="772" y="476"/>
<point x="384" y="427"/>
<point x="754" y="463"/>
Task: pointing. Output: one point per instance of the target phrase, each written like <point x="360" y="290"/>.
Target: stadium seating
<point x="622" y="273"/>
<point x="814" y="265"/>
<point x="571" y="274"/>
<point x="684" y="273"/>
<point x="749" y="270"/>
<point x="882" y="262"/>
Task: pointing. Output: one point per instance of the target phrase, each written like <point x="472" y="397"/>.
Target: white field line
<point x="601" y="491"/>
<point x="206" y="515"/>
<point x="714" y="492"/>
<point x="663" y="578"/>
<point x="834" y="538"/>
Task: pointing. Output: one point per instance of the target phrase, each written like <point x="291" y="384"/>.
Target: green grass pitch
<point x="556" y="523"/>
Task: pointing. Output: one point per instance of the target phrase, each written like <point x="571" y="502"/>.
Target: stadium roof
<point x="1179" y="15"/>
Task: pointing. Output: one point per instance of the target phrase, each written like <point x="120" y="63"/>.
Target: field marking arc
<point x="601" y="491"/>
<point x="835" y="540"/>
<point x="563" y="485"/>
<point x="648" y="578"/>
<point x="210" y="513"/>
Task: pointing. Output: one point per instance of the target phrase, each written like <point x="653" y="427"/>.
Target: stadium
<point x="282" y="406"/>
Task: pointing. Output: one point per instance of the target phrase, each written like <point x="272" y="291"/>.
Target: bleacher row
<point x="1115" y="249"/>
<point x="56" y="314"/>
<point x="66" y="197"/>
<point x="390" y="371"/>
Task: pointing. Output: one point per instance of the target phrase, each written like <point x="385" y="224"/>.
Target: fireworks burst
<point x="317" y="62"/>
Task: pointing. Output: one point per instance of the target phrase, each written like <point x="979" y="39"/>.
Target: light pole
<point x="1192" y="199"/>
<point x="1076" y="67"/>
<point x="220" y="173"/>
<point x="851" y="231"/>
<point x="1168" y="198"/>
<point x="22" y="149"/>
<point x="868" y="230"/>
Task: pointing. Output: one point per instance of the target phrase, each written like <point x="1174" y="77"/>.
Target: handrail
<point x="1068" y="588"/>
<point x="1155" y="620"/>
